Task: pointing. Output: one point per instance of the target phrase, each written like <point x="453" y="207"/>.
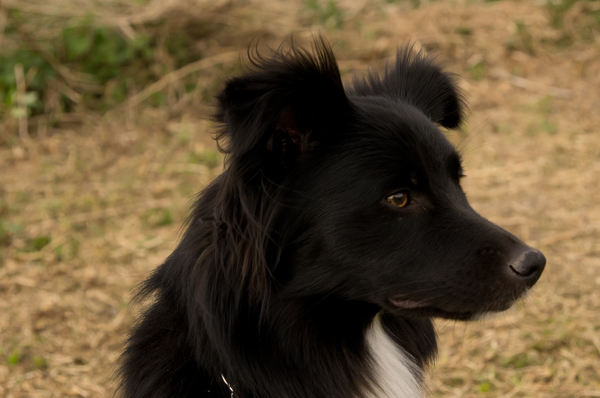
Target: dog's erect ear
<point x="283" y="103"/>
<point x="417" y="80"/>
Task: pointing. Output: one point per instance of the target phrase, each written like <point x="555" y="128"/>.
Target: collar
<point x="228" y="385"/>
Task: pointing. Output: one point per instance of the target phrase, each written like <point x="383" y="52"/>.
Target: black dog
<point x="313" y="265"/>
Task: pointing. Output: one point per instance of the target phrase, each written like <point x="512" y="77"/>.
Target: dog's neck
<point x="383" y="358"/>
<point x="395" y="373"/>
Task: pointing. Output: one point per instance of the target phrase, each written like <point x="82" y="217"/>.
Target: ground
<point x="88" y="208"/>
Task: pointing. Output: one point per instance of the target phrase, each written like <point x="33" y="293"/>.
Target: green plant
<point x="549" y="126"/>
<point x="40" y="73"/>
<point x="40" y="363"/>
<point x="558" y="9"/>
<point x="518" y="361"/>
<point x="521" y="39"/>
<point x="39" y="242"/>
<point x="478" y="71"/>
<point x="36" y="244"/>
<point x="5" y="236"/>
<point x="462" y="30"/>
<point x="486" y="386"/>
<point x="158" y="217"/>
<point x="583" y="21"/>
<point x="86" y="64"/>
<point x="14" y="358"/>
<point x="210" y="158"/>
<point x="327" y="13"/>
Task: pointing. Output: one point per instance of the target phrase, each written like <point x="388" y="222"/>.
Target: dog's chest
<point x="393" y="370"/>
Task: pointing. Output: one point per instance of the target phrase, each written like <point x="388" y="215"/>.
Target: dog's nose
<point x="527" y="265"/>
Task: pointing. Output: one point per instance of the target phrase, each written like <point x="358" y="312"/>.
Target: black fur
<point x="293" y="250"/>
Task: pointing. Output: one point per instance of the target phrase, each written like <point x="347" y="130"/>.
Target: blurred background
<point x="105" y="137"/>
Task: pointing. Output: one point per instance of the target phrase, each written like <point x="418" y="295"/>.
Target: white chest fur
<point x="393" y="370"/>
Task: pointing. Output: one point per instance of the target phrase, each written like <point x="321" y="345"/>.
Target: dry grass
<point x="110" y="193"/>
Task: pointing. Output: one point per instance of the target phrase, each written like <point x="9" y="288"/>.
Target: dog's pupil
<point x="399" y="199"/>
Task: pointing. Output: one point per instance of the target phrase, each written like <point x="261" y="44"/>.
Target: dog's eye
<point x="399" y="199"/>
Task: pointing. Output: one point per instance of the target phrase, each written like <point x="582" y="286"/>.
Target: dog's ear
<point x="271" y="116"/>
<point x="283" y="103"/>
<point x="417" y="80"/>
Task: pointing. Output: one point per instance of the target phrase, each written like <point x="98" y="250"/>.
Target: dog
<point x="313" y="265"/>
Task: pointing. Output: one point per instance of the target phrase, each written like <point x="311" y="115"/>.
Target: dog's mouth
<point x="406" y="304"/>
<point x="424" y="309"/>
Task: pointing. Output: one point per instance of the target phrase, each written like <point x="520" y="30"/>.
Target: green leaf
<point x="13" y="358"/>
<point x="18" y="112"/>
<point x="78" y="41"/>
<point x="30" y="98"/>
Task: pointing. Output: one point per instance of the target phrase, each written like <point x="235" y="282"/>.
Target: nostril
<point x="525" y="272"/>
<point x="529" y="265"/>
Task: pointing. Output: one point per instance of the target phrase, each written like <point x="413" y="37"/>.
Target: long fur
<point x="295" y="277"/>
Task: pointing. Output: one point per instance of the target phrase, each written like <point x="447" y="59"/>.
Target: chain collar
<point x="228" y="385"/>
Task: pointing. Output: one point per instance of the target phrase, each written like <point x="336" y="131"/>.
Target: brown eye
<point x="399" y="199"/>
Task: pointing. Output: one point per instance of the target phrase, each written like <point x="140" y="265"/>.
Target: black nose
<point x="528" y="265"/>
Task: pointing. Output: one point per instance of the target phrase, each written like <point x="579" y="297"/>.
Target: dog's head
<point x="356" y="194"/>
